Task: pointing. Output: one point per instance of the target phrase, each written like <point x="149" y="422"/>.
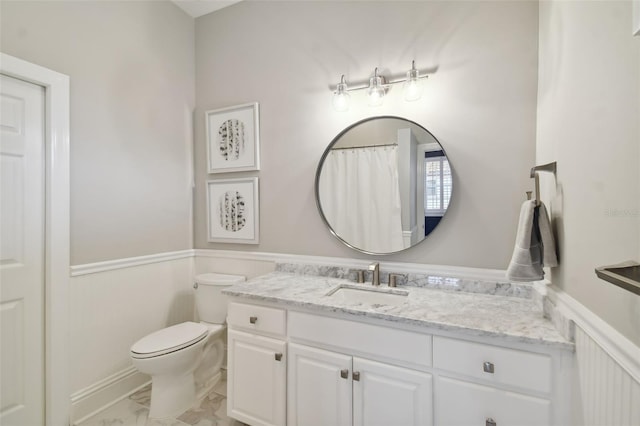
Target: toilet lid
<point x="169" y="339"/>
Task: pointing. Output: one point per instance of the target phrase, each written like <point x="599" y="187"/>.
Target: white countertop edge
<point x="563" y="345"/>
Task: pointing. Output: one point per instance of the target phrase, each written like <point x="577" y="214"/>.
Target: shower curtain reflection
<point x="361" y="197"/>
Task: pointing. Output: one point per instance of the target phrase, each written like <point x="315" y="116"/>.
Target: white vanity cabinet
<point x="334" y="371"/>
<point x="257" y="372"/>
<point x="329" y="388"/>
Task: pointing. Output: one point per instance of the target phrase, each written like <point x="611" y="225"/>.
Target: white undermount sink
<point x="368" y="295"/>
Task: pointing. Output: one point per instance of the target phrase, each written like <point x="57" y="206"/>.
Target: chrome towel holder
<point x="549" y="167"/>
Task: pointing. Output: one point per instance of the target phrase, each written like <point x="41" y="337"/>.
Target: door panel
<point x="387" y="395"/>
<point x="319" y="387"/>
<point x="256" y="392"/>
<point x="21" y="252"/>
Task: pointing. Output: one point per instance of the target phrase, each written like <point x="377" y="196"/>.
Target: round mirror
<point x="383" y="184"/>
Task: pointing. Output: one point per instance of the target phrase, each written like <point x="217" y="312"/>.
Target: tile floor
<point x="134" y="411"/>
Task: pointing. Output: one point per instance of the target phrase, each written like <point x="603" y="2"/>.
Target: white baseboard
<point x="100" y="395"/>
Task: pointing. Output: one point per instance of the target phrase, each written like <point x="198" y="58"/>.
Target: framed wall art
<point x="233" y="142"/>
<point x="233" y="211"/>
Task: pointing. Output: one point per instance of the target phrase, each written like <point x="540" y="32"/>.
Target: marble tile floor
<point x="134" y="411"/>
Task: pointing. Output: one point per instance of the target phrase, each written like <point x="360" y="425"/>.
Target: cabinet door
<point x="463" y="403"/>
<point x="319" y="387"/>
<point x="386" y="395"/>
<point x="256" y="392"/>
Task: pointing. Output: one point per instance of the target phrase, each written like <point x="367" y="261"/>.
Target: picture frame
<point x="233" y="211"/>
<point x="233" y="138"/>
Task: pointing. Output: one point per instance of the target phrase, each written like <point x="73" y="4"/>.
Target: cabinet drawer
<point x="463" y="403"/>
<point x="257" y="318"/>
<point x="498" y="365"/>
<point x="372" y="340"/>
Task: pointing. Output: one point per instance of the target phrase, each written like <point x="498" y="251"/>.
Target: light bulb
<point x="412" y="87"/>
<point x="341" y="97"/>
<point x="375" y="92"/>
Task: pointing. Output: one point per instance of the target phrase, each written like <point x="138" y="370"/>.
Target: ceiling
<point x="196" y="8"/>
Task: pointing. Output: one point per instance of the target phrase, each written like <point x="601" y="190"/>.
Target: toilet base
<point x="171" y="395"/>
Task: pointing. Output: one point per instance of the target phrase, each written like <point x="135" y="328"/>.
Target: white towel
<point x="535" y="246"/>
<point x="549" y="257"/>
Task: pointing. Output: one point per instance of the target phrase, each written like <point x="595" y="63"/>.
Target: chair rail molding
<point x="127" y="262"/>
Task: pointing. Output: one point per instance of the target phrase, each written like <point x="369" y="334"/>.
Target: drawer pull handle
<point x="278" y="357"/>
<point x="490" y="422"/>
<point x="253" y="320"/>
<point x="356" y="376"/>
<point x="488" y="368"/>
<point x="344" y="374"/>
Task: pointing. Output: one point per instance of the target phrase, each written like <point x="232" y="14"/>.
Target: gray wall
<point x="480" y="103"/>
<point x="132" y="96"/>
<point x="589" y="122"/>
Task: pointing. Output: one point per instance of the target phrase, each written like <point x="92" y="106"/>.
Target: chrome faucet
<point x="375" y="268"/>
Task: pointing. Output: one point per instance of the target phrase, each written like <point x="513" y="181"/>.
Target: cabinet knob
<point x="488" y="367"/>
<point x="253" y="320"/>
<point x="279" y="357"/>
<point x="490" y="422"/>
<point x="356" y="376"/>
<point x="344" y="373"/>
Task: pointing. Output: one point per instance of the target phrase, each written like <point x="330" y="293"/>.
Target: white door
<point x="21" y="252"/>
<point x="319" y="387"/>
<point x="256" y="382"/>
<point x="386" y="395"/>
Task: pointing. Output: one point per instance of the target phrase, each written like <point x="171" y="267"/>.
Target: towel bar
<point x="549" y="167"/>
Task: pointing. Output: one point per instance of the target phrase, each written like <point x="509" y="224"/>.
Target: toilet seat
<point x="169" y="340"/>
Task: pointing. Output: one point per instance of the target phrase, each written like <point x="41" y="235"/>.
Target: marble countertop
<point x="511" y="319"/>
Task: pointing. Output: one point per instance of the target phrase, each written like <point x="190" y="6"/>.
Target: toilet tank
<point x="210" y="302"/>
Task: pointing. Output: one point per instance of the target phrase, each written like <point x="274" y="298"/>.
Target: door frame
<point x="57" y="231"/>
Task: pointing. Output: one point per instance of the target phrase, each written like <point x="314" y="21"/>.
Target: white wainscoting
<point x="606" y="386"/>
<point x="608" y="394"/>
<point x="113" y="304"/>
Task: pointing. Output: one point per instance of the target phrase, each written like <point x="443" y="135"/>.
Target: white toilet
<point x="172" y="355"/>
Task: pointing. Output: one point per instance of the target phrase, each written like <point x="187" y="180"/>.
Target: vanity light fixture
<point x="378" y="87"/>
